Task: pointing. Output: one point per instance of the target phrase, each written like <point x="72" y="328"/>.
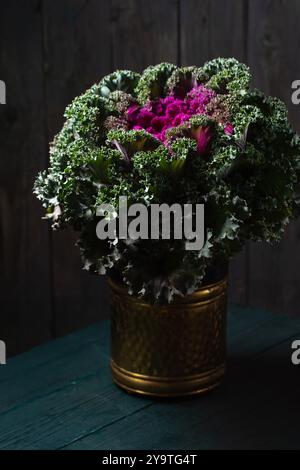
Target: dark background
<point x="51" y="51"/>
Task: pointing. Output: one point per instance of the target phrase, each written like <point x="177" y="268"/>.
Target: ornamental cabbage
<point x="196" y="135"/>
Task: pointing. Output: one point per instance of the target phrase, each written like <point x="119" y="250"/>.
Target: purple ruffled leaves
<point x="228" y="128"/>
<point x="157" y="116"/>
<point x="203" y="136"/>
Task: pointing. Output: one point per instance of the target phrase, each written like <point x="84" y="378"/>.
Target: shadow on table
<point x="257" y="407"/>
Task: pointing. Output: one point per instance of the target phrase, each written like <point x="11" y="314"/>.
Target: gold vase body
<point x="169" y="350"/>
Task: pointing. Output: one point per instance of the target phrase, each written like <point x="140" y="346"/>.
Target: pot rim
<point x="202" y="294"/>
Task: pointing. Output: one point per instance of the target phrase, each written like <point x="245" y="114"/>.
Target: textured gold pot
<point x="169" y="350"/>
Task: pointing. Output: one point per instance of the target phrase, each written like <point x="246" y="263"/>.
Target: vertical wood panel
<point x="274" y="36"/>
<point x="213" y="28"/>
<point x="209" y="29"/>
<point x="25" y="317"/>
<point x="77" y="54"/>
<point x="144" y="33"/>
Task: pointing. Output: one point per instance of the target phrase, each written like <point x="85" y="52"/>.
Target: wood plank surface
<point x="212" y="28"/>
<point x="143" y="33"/>
<point x="257" y="408"/>
<point x="61" y="396"/>
<point x="25" y="274"/>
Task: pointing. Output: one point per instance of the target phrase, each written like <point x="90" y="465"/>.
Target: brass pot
<point x="169" y="350"/>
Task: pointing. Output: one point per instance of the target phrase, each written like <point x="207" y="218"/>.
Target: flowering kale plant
<point x="194" y="135"/>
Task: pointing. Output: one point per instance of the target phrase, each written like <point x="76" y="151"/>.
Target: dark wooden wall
<point x="52" y="50"/>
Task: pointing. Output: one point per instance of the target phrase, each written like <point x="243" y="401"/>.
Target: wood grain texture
<point x="76" y="50"/>
<point x="25" y="282"/>
<point x="212" y="28"/>
<point x="247" y="413"/>
<point x="144" y="33"/>
<point x="70" y="402"/>
<point x="274" y="36"/>
<point x="238" y="415"/>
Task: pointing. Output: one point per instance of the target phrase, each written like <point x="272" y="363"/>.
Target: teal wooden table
<point x="60" y="396"/>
